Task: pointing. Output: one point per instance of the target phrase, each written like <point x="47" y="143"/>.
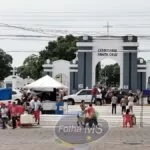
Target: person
<point x="99" y="92"/>
<point x="131" y="102"/>
<point x="123" y="105"/>
<point x="114" y="103"/>
<point x="127" y="119"/>
<point x="91" y="118"/>
<point x="126" y="100"/>
<point x="94" y="94"/>
<point x="9" y="109"/>
<point x="81" y="115"/>
<point x="82" y="105"/>
<point x="37" y="108"/>
<point x="59" y="106"/>
<point x="28" y="108"/>
<point x="32" y="103"/>
<point x="20" y="111"/>
<point x="13" y="112"/>
<point x="4" y="115"/>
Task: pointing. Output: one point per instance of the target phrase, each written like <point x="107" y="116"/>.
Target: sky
<point x="60" y="17"/>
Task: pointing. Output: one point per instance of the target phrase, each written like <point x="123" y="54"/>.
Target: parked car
<point x="84" y="94"/>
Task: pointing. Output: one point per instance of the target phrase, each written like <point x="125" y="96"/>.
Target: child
<point x="127" y="119"/>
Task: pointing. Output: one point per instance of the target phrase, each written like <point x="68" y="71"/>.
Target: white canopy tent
<point x="45" y="83"/>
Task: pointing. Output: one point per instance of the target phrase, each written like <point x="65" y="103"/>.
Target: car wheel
<point x="70" y="102"/>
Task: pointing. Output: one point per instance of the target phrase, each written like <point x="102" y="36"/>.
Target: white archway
<point x="103" y="63"/>
<point x="110" y="53"/>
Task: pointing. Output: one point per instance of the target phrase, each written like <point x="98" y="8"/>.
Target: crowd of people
<point x="30" y="103"/>
<point x="88" y="113"/>
<point x="87" y="116"/>
<point x="126" y="99"/>
<point x="10" y="112"/>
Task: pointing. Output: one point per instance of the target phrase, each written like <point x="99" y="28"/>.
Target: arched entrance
<point x="122" y="49"/>
<point x="108" y="53"/>
<point x="107" y="73"/>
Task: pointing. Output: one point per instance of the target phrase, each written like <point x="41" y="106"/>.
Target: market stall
<point x="49" y="91"/>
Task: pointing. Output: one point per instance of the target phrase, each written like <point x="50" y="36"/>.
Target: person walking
<point x="9" y="106"/>
<point x="14" y="112"/>
<point x="94" y="94"/>
<point x="81" y="115"/>
<point x="123" y="105"/>
<point x="131" y="102"/>
<point x="37" y="108"/>
<point x="114" y="100"/>
<point x="4" y="115"/>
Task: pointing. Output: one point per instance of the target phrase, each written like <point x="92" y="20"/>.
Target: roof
<point x="45" y="83"/>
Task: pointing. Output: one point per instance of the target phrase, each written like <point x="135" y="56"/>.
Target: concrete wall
<point x="84" y="63"/>
<point x="147" y="74"/>
<point x="73" y="82"/>
<point x="130" y="62"/>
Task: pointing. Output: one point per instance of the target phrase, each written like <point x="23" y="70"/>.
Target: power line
<point x="94" y="51"/>
<point x="73" y="12"/>
<point x="22" y="28"/>
<point x="44" y="30"/>
<point x="19" y="51"/>
<point x="34" y="36"/>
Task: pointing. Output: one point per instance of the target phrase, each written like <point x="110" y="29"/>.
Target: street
<point x="45" y="139"/>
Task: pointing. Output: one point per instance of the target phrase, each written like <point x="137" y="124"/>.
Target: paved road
<point x="44" y="139"/>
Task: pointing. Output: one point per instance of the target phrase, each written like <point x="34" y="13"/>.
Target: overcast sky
<point x="82" y="16"/>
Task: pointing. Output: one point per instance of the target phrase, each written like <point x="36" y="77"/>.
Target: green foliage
<point x="111" y="74"/>
<point x="31" y="67"/>
<point x="62" y="48"/>
<point x="5" y="64"/>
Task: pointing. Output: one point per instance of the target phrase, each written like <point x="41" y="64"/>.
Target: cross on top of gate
<point x="14" y="71"/>
<point x="108" y="26"/>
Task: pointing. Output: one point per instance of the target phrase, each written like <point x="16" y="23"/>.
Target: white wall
<point x="16" y="82"/>
<point x="62" y="67"/>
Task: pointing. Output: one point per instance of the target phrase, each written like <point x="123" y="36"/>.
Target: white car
<point x="84" y="94"/>
<point x="16" y="94"/>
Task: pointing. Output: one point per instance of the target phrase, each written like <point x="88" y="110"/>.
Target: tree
<point x="31" y="67"/>
<point x="5" y="64"/>
<point x="62" y="48"/>
<point x="111" y="74"/>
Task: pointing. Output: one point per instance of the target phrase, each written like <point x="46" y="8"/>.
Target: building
<point x="134" y="71"/>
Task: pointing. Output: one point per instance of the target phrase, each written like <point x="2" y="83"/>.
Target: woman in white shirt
<point x="131" y="102"/>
